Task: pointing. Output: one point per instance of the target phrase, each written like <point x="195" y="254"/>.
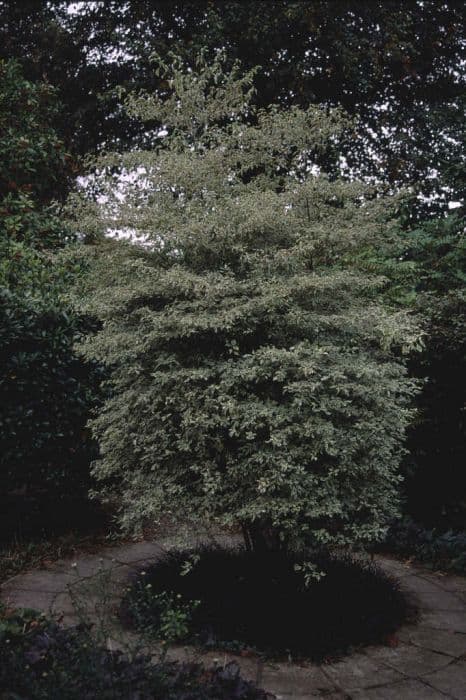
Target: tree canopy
<point x="255" y="378"/>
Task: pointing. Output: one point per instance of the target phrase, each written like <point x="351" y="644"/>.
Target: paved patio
<point x="426" y="661"/>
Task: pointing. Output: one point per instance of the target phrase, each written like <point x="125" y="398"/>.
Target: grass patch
<point x="237" y="600"/>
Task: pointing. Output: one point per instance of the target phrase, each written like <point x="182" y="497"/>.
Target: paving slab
<point x="420" y="586"/>
<point x="326" y="696"/>
<point x="450" y="680"/>
<point x="395" y="567"/>
<point x="62" y="605"/>
<point x="442" y="600"/>
<point x="288" y="680"/>
<point x="135" y="553"/>
<point x="449" y="582"/>
<point x="83" y="566"/>
<point x="27" y="599"/>
<point x="408" y="659"/>
<point x="41" y="581"/>
<point x="446" y="642"/>
<point x="47" y="602"/>
<point x="406" y="690"/>
<point x="444" y="620"/>
<point x="313" y="696"/>
<point x="360" y="671"/>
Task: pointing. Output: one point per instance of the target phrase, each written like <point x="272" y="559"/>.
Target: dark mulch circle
<point x="260" y="602"/>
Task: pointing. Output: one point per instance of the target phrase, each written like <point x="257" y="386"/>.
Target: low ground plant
<point x="39" y="660"/>
<point x="443" y="551"/>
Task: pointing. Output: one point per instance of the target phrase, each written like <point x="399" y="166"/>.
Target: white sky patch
<point x="76" y="8"/>
<point x="132" y="235"/>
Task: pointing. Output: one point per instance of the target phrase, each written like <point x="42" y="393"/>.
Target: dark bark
<point x="261" y="536"/>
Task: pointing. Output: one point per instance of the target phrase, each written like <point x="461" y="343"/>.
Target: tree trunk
<point x="261" y="537"/>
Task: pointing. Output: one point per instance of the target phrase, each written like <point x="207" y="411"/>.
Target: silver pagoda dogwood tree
<point x="255" y="380"/>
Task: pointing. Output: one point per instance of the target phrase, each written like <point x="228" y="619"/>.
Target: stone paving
<point x="426" y="661"/>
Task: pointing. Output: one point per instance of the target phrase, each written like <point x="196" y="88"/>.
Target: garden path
<point x="426" y="661"/>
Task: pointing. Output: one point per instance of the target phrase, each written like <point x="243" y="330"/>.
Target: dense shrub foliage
<point x="256" y="381"/>
<point x="444" y="551"/>
<point x="426" y="267"/>
<point x="34" y="162"/>
<point x="235" y="599"/>
<point x="45" y="390"/>
<point x="39" y="660"/>
<point x="436" y="484"/>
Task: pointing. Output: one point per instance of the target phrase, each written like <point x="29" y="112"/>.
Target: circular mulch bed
<point x="233" y="599"/>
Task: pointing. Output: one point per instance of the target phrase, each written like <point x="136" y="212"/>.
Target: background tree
<point x="397" y="65"/>
<point x="256" y="381"/>
<point x="45" y="389"/>
<point x="425" y="267"/>
<point x="436" y="483"/>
